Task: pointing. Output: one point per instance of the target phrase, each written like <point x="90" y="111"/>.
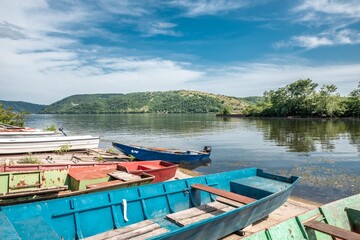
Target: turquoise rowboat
<point x="204" y="207"/>
<point x="336" y="220"/>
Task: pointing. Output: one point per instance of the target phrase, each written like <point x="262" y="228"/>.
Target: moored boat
<point x="9" y="131"/>
<point x="336" y="220"/>
<point x="161" y="170"/>
<point x="169" y="155"/>
<point x="27" y="186"/>
<point x="203" y="207"/>
<point x="47" y="144"/>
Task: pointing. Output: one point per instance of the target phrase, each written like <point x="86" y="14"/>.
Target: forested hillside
<point x="146" y="102"/>
<point x="19" y="106"/>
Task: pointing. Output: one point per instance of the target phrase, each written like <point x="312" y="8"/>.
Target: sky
<point x="51" y="49"/>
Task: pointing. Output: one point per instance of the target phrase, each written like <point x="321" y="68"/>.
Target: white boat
<point x="9" y="131"/>
<point x="47" y="144"/>
<point x="22" y="134"/>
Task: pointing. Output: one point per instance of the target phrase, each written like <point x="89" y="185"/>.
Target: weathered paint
<point x="344" y="213"/>
<point x="26" y="186"/>
<point x="11" y="182"/>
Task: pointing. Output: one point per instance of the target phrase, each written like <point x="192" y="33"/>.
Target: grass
<point x="30" y="159"/>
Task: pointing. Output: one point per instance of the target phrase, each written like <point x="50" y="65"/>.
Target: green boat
<point x="28" y="186"/>
<point x="336" y="220"/>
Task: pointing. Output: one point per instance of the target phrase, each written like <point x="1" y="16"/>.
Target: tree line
<point x="302" y="98"/>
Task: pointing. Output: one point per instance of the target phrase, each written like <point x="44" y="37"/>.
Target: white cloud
<point x="253" y="79"/>
<point x="209" y="7"/>
<point x="331" y="22"/>
<point x="341" y="37"/>
<point x="347" y="9"/>
<point x="159" y="28"/>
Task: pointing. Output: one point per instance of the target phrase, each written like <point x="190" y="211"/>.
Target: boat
<point x="203" y="207"/>
<point x="47" y="144"/>
<point x="9" y="131"/>
<point x="27" y="186"/>
<point x="169" y="155"/>
<point x="336" y="220"/>
<point x="161" y="170"/>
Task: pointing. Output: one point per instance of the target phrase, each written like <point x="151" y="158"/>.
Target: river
<point x="324" y="153"/>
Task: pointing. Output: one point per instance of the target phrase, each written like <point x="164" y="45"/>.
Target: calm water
<point x="325" y="153"/>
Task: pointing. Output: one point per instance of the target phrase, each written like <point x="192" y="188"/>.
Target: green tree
<point x="329" y="102"/>
<point x="353" y="103"/>
<point x="8" y="116"/>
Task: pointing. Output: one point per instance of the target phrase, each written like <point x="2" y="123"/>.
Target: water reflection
<point x="302" y="135"/>
<point x="192" y="165"/>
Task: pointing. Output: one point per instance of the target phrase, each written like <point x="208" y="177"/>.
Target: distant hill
<point x="181" y="101"/>
<point x="20" y="106"/>
<point x="253" y="99"/>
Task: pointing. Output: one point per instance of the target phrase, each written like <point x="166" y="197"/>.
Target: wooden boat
<point x="203" y="207"/>
<point x="26" y="186"/>
<point x="161" y="170"/>
<point x="336" y="220"/>
<point x="169" y="155"/>
<point x="47" y="144"/>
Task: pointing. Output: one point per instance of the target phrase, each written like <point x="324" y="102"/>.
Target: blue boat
<point x="169" y="155"/>
<point x="203" y="207"/>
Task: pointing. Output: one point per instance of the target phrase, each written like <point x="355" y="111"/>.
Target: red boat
<point x="160" y="169"/>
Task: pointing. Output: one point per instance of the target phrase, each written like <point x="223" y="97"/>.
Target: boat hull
<point x="146" y="154"/>
<point x="343" y="214"/>
<point x="91" y="214"/>
<point x="46" y="144"/>
<point x="28" y="186"/>
<point x="161" y="170"/>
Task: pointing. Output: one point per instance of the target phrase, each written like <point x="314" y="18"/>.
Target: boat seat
<point x="124" y="176"/>
<point x="141" y="230"/>
<point x="195" y="214"/>
<point x="103" y="184"/>
<point x="332" y="230"/>
<point x="225" y="194"/>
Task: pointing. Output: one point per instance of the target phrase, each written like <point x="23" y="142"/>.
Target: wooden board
<point x="196" y="214"/>
<point x="332" y="230"/>
<point x="124" y="176"/>
<point x="222" y="193"/>
<point x="140" y="230"/>
<point x="229" y="202"/>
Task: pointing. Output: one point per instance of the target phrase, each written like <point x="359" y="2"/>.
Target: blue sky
<point x="54" y="49"/>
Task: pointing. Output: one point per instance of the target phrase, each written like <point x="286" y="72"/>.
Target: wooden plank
<point x="135" y="233"/>
<point x="222" y="193"/>
<point x="195" y="219"/>
<point x="119" y="231"/>
<point x="195" y="211"/>
<point x="124" y="176"/>
<point x="332" y="230"/>
<point x="229" y="202"/>
<point x="151" y="234"/>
